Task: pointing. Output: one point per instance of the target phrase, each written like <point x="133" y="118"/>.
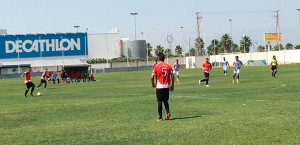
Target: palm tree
<point x="226" y="43"/>
<point x="214" y="47"/>
<point x="289" y="46"/>
<point x="245" y="44"/>
<point x="261" y="48"/>
<point x="192" y="51"/>
<point x="149" y="49"/>
<point x="277" y="47"/>
<point x="199" y="44"/>
<point x="178" y="50"/>
<point x="235" y="48"/>
<point x="159" y="49"/>
<point x="168" y="52"/>
<point x="297" y="47"/>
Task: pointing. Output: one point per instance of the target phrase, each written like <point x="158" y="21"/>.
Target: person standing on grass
<point x="206" y="66"/>
<point x="28" y="82"/>
<point x="224" y="65"/>
<point x="176" y="70"/>
<point x="237" y="64"/>
<point x="274" y="66"/>
<point x="43" y="79"/>
<point x="165" y="82"/>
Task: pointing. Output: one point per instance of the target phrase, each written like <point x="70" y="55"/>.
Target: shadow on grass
<point x="188" y="117"/>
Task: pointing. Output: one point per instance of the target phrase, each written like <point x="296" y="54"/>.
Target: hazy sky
<point x="156" y="18"/>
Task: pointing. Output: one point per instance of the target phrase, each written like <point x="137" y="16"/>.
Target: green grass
<point x="122" y="109"/>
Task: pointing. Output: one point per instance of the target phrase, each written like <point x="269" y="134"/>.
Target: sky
<point x="156" y="18"/>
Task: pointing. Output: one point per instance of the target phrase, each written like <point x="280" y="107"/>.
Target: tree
<point x="168" y="52"/>
<point x="225" y="43"/>
<point x="214" y="47"/>
<point x="235" y="48"/>
<point x="178" y="50"/>
<point x="245" y="44"/>
<point x="297" y="47"/>
<point x="289" y="46"/>
<point x="149" y="49"/>
<point x="192" y="51"/>
<point x="261" y="48"/>
<point x="199" y="44"/>
<point x="276" y="48"/>
<point x="159" y="49"/>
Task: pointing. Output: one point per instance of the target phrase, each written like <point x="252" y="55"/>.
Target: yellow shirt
<point x="274" y="62"/>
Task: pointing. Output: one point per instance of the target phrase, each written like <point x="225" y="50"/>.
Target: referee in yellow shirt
<point x="274" y="66"/>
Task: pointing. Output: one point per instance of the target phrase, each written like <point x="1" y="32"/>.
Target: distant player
<point x="155" y="63"/>
<point x="176" y="70"/>
<point x="225" y="64"/>
<point x="43" y="79"/>
<point x="274" y="66"/>
<point x="206" y="68"/>
<point x="28" y="82"/>
<point x="55" y="78"/>
<point x="165" y="82"/>
<point x="237" y="64"/>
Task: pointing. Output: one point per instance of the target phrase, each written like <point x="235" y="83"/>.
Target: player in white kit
<point x="225" y="64"/>
<point x="176" y="70"/>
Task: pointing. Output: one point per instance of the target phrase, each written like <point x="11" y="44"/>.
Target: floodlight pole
<point x="230" y="20"/>
<point x="183" y="44"/>
<point x="76" y="27"/>
<point x="134" y="15"/>
<point x="299" y="21"/>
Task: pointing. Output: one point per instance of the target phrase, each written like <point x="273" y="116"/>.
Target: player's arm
<point x="228" y="65"/>
<point x="23" y="74"/>
<point x="152" y="80"/>
<point x="172" y="81"/>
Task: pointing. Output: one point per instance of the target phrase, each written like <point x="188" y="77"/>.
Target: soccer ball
<point x="39" y="93"/>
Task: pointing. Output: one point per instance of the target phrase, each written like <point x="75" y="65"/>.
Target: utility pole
<point x="276" y="16"/>
<point x="299" y="21"/>
<point x="198" y="44"/>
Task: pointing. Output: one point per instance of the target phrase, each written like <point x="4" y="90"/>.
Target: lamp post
<point x="230" y="20"/>
<point x="134" y="15"/>
<point x="76" y="27"/>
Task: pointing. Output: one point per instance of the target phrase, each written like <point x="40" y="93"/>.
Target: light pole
<point x="76" y="27"/>
<point x="134" y="15"/>
<point x="230" y="20"/>
<point x="183" y="44"/>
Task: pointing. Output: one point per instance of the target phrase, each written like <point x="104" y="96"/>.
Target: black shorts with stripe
<point x="274" y="67"/>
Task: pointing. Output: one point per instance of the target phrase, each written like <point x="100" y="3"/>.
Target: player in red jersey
<point x="165" y="82"/>
<point x="28" y="82"/>
<point x="206" y="68"/>
<point x="154" y="64"/>
<point x="43" y="79"/>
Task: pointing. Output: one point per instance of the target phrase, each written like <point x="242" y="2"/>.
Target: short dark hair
<point x="207" y="58"/>
<point x="161" y="56"/>
<point x="236" y="56"/>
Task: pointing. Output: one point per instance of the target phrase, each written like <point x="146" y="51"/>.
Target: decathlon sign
<point x="43" y="45"/>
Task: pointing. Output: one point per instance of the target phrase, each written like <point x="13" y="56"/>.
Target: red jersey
<point x="43" y="75"/>
<point x="78" y="74"/>
<point x="154" y="64"/>
<point x="72" y="74"/>
<point x="206" y="67"/>
<point x="27" y="77"/>
<point x="162" y="72"/>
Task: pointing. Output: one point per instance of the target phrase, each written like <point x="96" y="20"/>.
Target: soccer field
<point x="121" y="109"/>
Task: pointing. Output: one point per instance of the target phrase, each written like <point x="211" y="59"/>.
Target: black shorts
<point x="206" y="75"/>
<point x="29" y="85"/>
<point x="274" y="67"/>
<point x="162" y="95"/>
<point x="43" y="81"/>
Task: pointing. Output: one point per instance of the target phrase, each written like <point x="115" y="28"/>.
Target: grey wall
<point x="135" y="48"/>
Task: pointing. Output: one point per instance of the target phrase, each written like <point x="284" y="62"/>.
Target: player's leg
<point x="233" y="77"/>
<point x="27" y="89"/>
<point x="275" y="71"/>
<point x="159" y="103"/>
<point x="32" y="88"/>
<point x="177" y="76"/>
<point x="166" y="103"/>
<point x="272" y="70"/>
<point x="238" y="76"/>
<point x="45" y="82"/>
<point x="41" y="83"/>
<point x="207" y="79"/>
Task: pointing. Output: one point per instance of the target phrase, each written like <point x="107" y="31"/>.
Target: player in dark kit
<point x="164" y="75"/>
<point x="43" y="79"/>
<point x="206" y="68"/>
<point x="28" y="82"/>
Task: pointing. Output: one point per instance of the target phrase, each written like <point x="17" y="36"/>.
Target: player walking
<point x="164" y="75"/>
<point x="176" y="70"/>
<point x="43" y="79"/>
<point x="28" y="82"/>
<point x="206" y="66"/>
<point x="225" y="64"/>
<point x="237" y="64"/>
<point x="274" y="66"/>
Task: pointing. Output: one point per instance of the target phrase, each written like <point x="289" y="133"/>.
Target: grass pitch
<point x="122" y="109"/>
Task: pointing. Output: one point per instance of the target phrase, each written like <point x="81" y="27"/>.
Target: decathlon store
<point x="56" y="50"/>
